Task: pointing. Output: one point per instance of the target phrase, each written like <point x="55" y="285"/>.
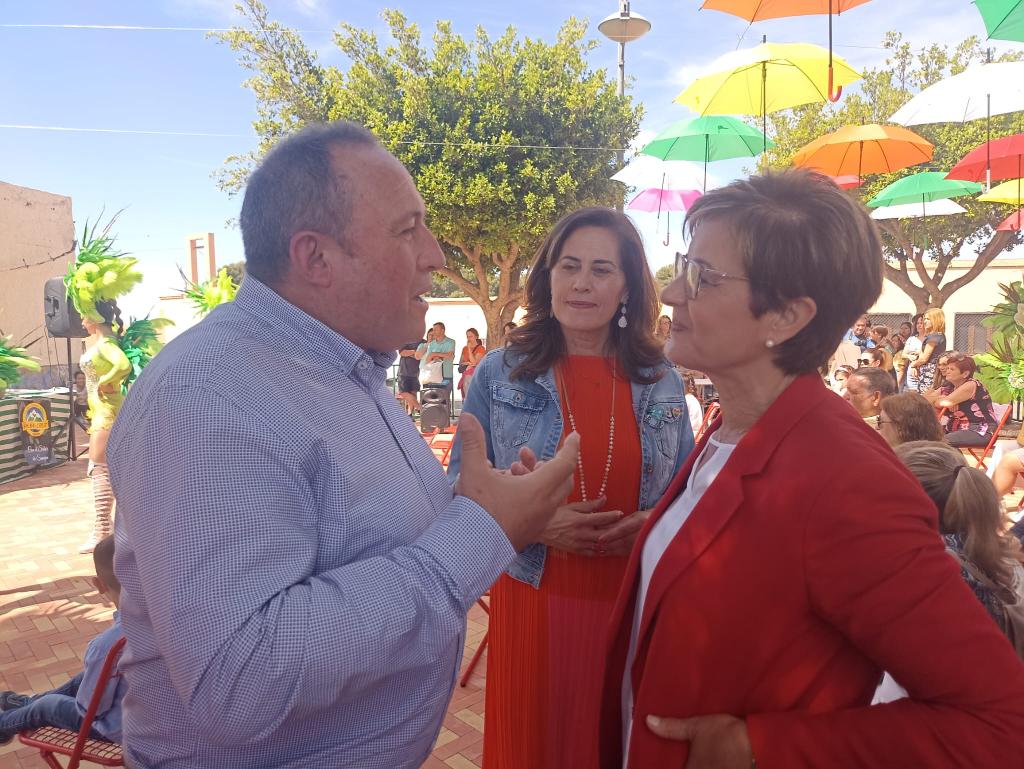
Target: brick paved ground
<point x="49" y="610"/>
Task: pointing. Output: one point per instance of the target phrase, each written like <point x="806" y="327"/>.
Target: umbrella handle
<point x="667" y="236"/>
<point x="833" y="97"/>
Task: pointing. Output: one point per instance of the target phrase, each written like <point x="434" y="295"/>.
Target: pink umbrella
<point x="656" y="200"/>
<point x="1013" y="223"/>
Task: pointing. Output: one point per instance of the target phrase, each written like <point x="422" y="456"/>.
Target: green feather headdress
<point x="13" y="360"/>
<point x="99" y="272"/>
<point x="208" y="294"/>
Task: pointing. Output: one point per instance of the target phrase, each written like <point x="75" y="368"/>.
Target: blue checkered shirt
<point x="295" y="571"/>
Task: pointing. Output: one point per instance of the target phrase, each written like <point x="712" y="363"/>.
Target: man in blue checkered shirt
<point x="295" y="568"/>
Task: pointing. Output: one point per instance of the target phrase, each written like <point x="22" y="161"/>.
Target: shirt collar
<point x="312" y="335"/>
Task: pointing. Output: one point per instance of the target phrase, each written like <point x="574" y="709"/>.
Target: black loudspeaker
<point x="434" y="411"/>
<point x="62" y="319"/>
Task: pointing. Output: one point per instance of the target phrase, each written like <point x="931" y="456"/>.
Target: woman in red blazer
<point x="793" y="559"/>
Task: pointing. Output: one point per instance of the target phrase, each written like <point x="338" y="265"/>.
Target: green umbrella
<point x="1004" y="19"/>
<point x="923" y="188"/>
<point x="713" y="137"/>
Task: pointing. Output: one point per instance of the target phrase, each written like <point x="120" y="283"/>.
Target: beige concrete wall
<point x="37" y="235"/>
<point x="978" y="296"/>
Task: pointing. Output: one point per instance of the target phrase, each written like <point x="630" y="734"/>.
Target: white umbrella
<point x="648" y="172"/>
<point x="943" y="207"/>
<point x="978" y="92"/>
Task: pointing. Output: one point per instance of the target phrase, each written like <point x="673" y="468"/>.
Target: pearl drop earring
<point x="770" y="343"/>
<point x="622" y="318"/>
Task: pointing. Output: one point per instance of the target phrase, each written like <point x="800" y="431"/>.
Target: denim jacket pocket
<point x="514" y="415"/>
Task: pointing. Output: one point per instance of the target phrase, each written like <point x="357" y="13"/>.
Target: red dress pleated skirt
<point x="546" y="654"/>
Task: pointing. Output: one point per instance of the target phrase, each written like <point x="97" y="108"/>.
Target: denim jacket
<point x="528" y="413"/>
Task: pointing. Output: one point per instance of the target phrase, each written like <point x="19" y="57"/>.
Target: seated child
<point x="65" y="706"/>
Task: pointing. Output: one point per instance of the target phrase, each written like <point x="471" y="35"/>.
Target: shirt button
<point x="647" y="468"/>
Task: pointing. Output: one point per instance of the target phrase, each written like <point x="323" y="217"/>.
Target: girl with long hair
<point x="972" y="522"/>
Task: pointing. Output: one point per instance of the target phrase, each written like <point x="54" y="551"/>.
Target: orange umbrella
<point x="864" y="149"/>
<point x="760" y="10"/>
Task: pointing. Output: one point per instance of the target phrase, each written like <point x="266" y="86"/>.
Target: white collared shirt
<point x="706" y="468"/>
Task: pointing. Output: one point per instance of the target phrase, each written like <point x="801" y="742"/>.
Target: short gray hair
<point x="296" y="188"/>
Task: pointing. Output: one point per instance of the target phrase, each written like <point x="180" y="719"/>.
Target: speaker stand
<point x="72" y="454"/>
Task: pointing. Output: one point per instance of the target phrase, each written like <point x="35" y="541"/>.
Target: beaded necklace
<point x="611" y="434"/>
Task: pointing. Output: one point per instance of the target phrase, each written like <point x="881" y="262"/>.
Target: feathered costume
<point x="12" y="360"/>
<point x="208" y="294"/>
<point x="97" y="277"/>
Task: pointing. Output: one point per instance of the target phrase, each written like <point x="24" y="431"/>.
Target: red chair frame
<point x="80" y="747"/>
<point x="710" y="415"/>
<point x="992" y="441"/>
<point x="479" y="650"/>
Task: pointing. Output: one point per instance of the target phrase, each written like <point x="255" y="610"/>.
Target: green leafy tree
<point x="664" y="275"/>
<point x="502" y="135"/>
<point x="918" y="251"/>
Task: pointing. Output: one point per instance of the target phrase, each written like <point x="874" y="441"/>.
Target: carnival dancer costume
<point x="116" y="356"/>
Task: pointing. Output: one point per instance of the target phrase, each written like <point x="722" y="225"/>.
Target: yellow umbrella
<point x="1007" y="192"/>
<point x="767" y="78"/>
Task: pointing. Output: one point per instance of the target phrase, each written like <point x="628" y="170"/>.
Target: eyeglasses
<point x="696" y="275"/>
<point x="864" y="362"/>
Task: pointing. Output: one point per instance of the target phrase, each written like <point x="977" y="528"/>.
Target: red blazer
<point x="810" y="565"/>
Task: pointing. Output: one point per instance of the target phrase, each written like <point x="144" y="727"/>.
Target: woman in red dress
<point x="584" y="359"/>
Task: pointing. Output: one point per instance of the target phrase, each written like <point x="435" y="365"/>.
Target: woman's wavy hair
<point x="539" y="336"/>
<point x="111" y="315"/>
<point x="968" y="505"/>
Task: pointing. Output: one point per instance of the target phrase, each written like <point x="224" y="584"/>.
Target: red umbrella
<point x="998" y="159"/>
<point x="1012" y="223"/>
<point x="847" y="181"/>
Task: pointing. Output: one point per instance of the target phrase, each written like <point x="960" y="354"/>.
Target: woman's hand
<point x="716" y="742"/>
<point x="107" y="389"/>
<point x="576" y="528"/>
<point x="618" y="538"/>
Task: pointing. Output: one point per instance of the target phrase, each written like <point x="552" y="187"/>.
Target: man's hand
<point x="576" y="528"/>
<point x="618" y="538"/>
<point x="716" y="742"/>
<point x="522" y="504"/>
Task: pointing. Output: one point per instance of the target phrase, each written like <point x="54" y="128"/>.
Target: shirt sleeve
<point x="878" y="571"/>
<point x="223" y="521"/>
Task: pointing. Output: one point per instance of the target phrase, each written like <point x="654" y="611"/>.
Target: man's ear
<point x="307" y="259"/>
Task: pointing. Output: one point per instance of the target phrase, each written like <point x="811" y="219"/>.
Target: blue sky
<point x="183" y="82"/>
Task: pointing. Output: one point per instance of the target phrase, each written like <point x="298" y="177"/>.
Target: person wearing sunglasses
<point x="771" y="585"/>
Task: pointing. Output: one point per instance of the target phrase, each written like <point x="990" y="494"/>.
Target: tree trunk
<point x="498" y="309"/>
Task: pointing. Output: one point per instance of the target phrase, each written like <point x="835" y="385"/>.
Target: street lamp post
<point x="623" y="27"/>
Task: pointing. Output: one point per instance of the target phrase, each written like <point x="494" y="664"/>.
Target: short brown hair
<point x="877" y="380"/>
<point x="539" y="336"/>
<point x="801" y="236"/>
<point x="913" y="417"/>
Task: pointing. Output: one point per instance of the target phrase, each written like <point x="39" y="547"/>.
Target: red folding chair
<point x="710" y="415"/>
<point x="479" y="650"/>
<point x="80" y="747"/>
<point x="1002" y="417"/>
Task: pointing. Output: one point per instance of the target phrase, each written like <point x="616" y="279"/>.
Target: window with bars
<point x="970" y="336"/>
<point x="890" y="319"/>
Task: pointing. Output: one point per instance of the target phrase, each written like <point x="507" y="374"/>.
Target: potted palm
<point x="1001" y="368"/>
